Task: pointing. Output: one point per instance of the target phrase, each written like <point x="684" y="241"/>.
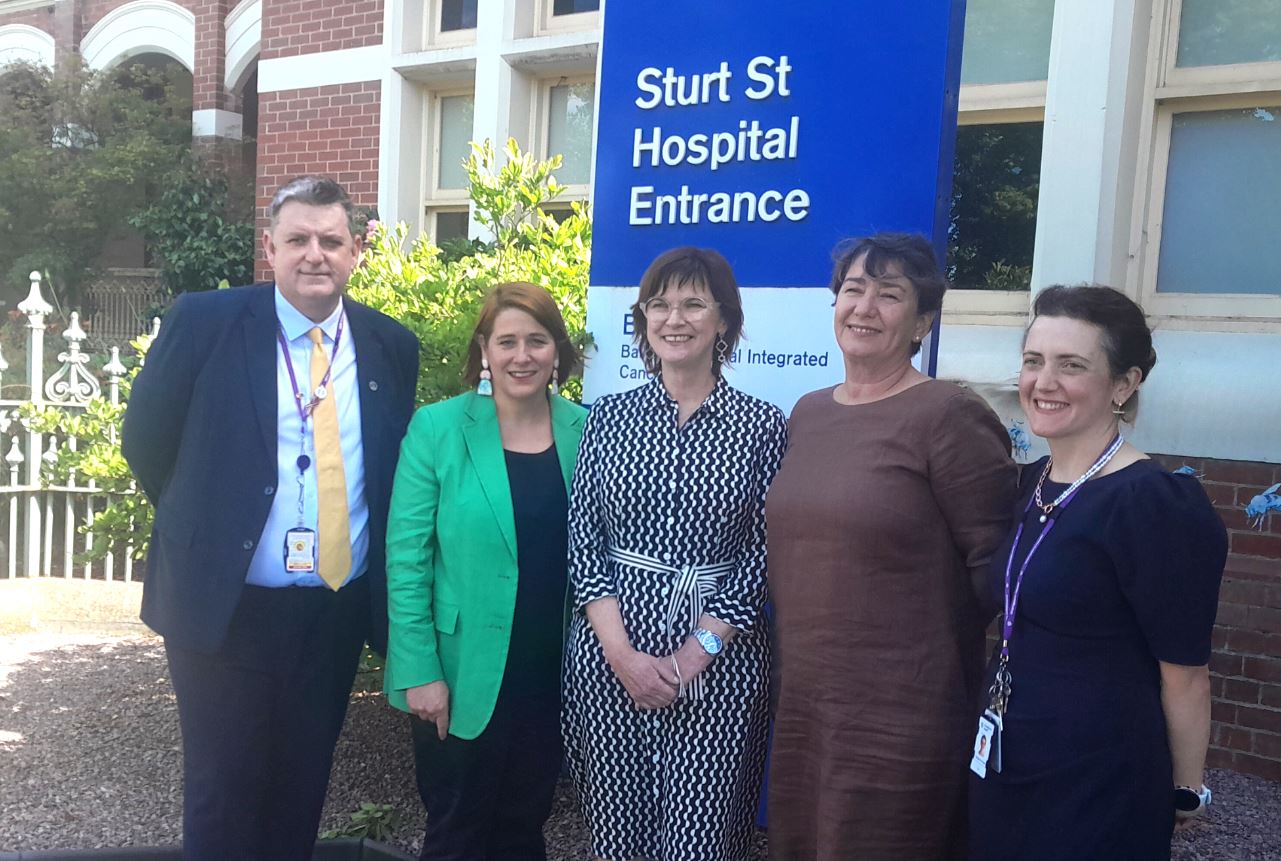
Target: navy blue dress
<point x="1128" y="577"/>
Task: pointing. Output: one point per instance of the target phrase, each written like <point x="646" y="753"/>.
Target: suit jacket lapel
<point x="567" y="431"/>
<point x="259" y="334"/>
<point x="374" y="378"/>
<point x="485" y="449"/>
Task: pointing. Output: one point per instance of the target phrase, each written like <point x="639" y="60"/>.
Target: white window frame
<point x="433" y="211"/>
<point x="434" y="37"/>
<point x="995" y="104"/>
<point x="540" y="133"/>
<point x="435" y="198"/>
<point x="1170" y="90"/>
<point x="546" y="24"/>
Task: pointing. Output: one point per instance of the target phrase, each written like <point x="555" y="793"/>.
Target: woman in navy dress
<point x="1110" y="584"/>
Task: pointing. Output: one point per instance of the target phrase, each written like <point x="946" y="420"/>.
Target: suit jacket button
<point x="268" y="490"/>
<point x="373" y="385"/>
<point x="248" y="545"/>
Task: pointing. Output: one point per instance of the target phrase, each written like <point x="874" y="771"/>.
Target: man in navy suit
<point x="258" y="410"/>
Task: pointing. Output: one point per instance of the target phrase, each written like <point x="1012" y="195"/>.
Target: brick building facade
<point x="371" y="92"/>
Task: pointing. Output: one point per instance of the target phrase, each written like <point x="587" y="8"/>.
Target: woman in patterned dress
<point x="667" y="663"/>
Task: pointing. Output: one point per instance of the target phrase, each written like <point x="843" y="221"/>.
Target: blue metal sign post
<point x="769" y="132"/>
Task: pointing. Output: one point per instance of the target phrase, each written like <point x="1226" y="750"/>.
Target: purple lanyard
<point x="305" y="411"/>
<point x="1012" y="598"/>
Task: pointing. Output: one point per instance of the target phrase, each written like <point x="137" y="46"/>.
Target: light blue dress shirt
<point x="267" y="568"/>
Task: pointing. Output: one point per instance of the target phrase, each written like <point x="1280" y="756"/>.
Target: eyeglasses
<point x="691" y="309"/>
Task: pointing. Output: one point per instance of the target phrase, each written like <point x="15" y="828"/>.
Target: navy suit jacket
<point x="200" y="434"/>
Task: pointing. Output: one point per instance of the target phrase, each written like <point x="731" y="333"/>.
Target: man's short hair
<point x="314" y="191"/>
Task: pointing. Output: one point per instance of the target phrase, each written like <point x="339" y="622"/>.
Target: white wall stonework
<point x="20" y="42"/>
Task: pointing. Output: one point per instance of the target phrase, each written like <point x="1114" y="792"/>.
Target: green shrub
<point x="197" y="233"/>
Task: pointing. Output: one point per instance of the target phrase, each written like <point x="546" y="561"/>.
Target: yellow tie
<point x="333" y="527"/>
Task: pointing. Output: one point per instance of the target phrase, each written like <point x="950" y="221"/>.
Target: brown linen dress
<point x="880" y="521"/>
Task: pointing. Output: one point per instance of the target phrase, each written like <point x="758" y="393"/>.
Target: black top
<point x="541" y="509"/>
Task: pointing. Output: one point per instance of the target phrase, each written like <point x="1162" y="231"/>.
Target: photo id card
<point x="987" y="745"/>
<point x="300" y="550"/>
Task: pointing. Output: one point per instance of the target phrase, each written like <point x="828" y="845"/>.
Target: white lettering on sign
<point x="749" y="143"/>
<point x="767" y="80"/>
<point x="721" y="207"/>
<point x="715" y="148"/>
<point x="679" y="90"/>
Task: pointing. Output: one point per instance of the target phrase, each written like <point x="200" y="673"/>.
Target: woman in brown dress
<point x="895" y="490"/>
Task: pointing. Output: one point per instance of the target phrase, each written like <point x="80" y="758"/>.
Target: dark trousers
<point x="260" y="718"/>
<point x="487" y="798"/>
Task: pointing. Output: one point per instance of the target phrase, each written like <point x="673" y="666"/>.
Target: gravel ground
<point x="90" y="757"/>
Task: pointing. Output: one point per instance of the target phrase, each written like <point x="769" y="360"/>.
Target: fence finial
<point x="73" y="384"/>
<point x="34" y="303"/>
<point x="115" y="368"/>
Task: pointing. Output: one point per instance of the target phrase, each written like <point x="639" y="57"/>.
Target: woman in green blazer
<point x="476" y="582"/>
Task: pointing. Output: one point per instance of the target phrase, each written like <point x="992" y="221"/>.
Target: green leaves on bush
<point x="438" y="296"/>
<point x="196" y="235"/>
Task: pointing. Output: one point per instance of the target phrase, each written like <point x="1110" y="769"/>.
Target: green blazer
<point x="451" y="554"/>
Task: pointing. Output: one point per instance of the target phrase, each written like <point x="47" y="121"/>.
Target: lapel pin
<point x="373" y="385"/>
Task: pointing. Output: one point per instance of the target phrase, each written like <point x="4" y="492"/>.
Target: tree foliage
<point x="80" y="151"/>
<point x="994" y="193"/>
<point x="438" y="296"/>
<point x="199" y="235"/>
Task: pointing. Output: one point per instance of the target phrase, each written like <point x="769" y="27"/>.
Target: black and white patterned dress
<point x="671" y="521"/>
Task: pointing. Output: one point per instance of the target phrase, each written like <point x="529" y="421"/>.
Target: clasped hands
<point x="652" y="682"/>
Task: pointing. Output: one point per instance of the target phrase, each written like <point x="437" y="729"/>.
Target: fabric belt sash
<point x="690" y="586"/>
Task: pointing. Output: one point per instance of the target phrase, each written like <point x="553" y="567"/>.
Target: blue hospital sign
<point x="768" y="131"/>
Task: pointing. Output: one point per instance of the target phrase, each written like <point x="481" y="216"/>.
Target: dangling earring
<point x="722" y="351"/>
<point x="556" y="376"/>
<point x="485" y="387"/>
<point x="1118" y="409"/>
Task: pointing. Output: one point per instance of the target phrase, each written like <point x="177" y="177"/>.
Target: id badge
<point x="987" y="745"/>
<point x="300" y="550"/>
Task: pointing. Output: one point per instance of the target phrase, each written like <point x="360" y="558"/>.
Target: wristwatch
<point x="711" y="643"/>
<point x="1189" y="802"/>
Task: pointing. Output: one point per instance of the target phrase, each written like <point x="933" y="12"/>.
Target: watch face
<point x="709" y="641"/>
<point x="1186" y="800"/>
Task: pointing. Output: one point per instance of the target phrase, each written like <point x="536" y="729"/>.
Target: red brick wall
<point x="207" y="87"/>
<point x="326" y="130"/>
<point x="292" y="27"/>
<point x="41" y="19"/>
<point x="1245" y="668"/>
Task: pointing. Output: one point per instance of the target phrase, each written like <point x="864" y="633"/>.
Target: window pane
<point x="569" y="131"/>
<point x="558" y="213"/>
<point x="451" y="225"/>
<point x="1214" y="32"/>
<point x="457" y="15"/>
<point x="455" y="137"/>
<point x="994" y="191"/>
<point x="571" y="7"/>
<point x="1006" y="41"/>
<point x="1223" y="203"/>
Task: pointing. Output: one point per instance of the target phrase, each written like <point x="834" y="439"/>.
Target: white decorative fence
<point x="47" y="534"/>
